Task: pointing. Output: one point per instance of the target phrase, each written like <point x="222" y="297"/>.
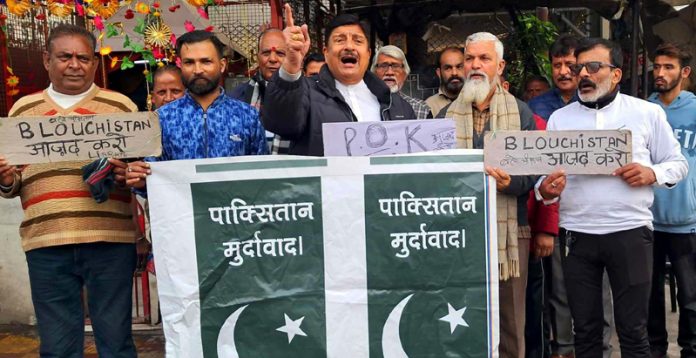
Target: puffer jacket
<point x="296" y="110"/>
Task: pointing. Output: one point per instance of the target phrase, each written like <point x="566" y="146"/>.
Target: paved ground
<point x="22" y="342"/>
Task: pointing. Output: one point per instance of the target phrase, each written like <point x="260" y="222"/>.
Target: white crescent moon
<point x="226" y="347"/>
<point x="391" y="339"/>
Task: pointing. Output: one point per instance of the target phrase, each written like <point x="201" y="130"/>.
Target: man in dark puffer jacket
<point x="295" y="107"/>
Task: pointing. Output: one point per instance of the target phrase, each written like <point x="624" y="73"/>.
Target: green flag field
<point x="282" y="256"/>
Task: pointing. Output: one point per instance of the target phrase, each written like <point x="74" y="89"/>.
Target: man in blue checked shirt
<point x="204" y="123"/>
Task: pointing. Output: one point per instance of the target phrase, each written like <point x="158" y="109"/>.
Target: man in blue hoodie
<point x="674" y="209"/>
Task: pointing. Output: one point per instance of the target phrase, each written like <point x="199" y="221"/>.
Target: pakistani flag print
<point x="261" y="270"/>
<point x="326" y="257"/>
<point x="426" y="265"/>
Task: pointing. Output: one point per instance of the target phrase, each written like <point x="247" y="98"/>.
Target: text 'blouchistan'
<point x="239" y="212"/>
<point x="407" y="204"/>
<point x="61" y="135"/>
<point x="581" y="150"/>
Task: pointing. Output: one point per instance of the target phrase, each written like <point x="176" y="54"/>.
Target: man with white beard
<point x="390" y="66"/>
<point x="606" y="219"/>
<point x="482" y="106"/>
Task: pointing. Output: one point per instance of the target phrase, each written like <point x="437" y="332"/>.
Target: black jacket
<point x="245" y="91"/>
<point x="296" y="110"/>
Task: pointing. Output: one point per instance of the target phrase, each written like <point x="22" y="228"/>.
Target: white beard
<point x="602" y="90"/>
<point x="476" y="91"/>
<point x="393" y="88"/>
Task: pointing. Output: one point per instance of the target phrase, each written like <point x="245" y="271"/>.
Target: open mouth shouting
<point x="349" y="59"/>
<point x="586" y="86"/>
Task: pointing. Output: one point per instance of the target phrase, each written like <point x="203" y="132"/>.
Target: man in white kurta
<point x="606" y="221"/>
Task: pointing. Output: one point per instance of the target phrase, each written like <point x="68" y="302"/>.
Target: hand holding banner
<point x="542" y="152"/>
<point x="29" y="140"/>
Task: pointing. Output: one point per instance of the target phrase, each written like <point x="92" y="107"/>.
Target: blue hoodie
<point x="674" y="209"/>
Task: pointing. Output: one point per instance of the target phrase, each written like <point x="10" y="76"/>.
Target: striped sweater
<point x="58" y="207"/>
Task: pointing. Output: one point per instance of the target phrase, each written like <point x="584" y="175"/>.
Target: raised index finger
<point x="289" y="21"/>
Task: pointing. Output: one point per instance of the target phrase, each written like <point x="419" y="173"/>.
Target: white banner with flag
<point x="281" y="256"/>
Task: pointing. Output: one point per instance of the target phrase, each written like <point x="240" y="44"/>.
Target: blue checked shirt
<point x="228" y="128"/>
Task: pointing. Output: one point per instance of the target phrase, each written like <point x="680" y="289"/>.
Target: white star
<point x="292" y="328"/>
<point x="454" y="318"/>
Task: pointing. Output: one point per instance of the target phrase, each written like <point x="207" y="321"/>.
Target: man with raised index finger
<point x="295" y="107"/>
<point x="605" y="219"/>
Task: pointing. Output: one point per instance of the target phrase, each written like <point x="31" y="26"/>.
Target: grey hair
<point x="393" y="52"/>
<point x="487" y="36"/>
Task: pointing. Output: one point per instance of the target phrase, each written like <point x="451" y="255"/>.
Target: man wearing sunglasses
<point x="558" y="325"/>
<point x="605" y="220"/>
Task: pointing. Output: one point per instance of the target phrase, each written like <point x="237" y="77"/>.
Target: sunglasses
<point x="592" y="67"/>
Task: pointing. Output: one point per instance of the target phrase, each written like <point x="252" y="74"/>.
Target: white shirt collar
<point x="361" y="101"/>
<point x="66" y="100"/>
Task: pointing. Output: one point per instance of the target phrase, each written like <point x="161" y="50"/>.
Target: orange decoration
<point x="60" y="8"/>
<point x="12" y="81"/>
<point x="103" y="8"/>
<point x="142" y="8"/>
<point x="18" y="7"/>
<point x="198" y="2"/>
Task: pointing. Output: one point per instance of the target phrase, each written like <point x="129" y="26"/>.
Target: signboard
<point x="29" y="140"/>
<point x="352" y="139"/>
<point x="542" y="152"/>
<point x="326" y="257"/>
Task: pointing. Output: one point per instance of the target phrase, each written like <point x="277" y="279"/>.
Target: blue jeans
<point x="57" y="274"/>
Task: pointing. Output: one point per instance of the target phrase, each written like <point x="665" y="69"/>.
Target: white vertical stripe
<point x="492" y="260"/>
<point x="345" y="264"/>
<point x="174" y="249"/>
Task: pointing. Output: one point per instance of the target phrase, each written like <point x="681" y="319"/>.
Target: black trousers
<point x="627" y="258"/>
<point x="681" y="249"/>
<point x="536" y="330"/>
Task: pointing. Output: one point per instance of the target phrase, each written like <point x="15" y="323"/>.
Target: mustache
<point x="564" y="78"/>
<point x="455" y="77"/>
<point x="587" y="82"/>
<point x="476" y="73"/>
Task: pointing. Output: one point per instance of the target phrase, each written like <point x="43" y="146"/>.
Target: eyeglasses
<point x="592" y="67"/>
<point x="394" y="66"/>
